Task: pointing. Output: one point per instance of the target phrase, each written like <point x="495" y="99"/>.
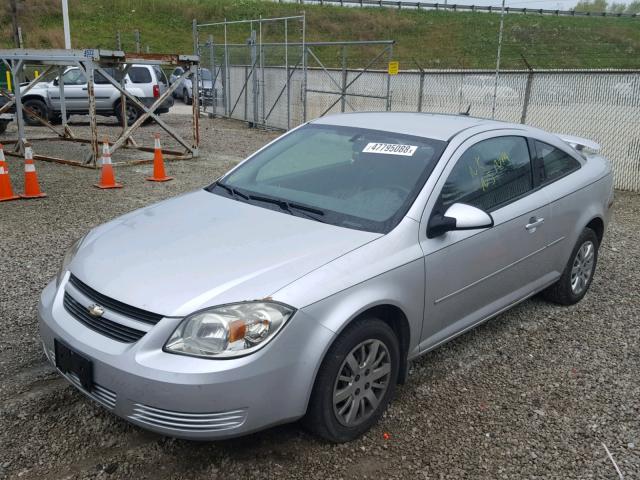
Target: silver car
<point x="185" y="90"/>
<point x="302" y="282"/>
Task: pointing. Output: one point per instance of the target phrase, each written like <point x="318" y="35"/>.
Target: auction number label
<point x="390" y="149"/>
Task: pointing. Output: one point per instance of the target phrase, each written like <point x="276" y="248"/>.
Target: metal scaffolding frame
<point x="91" y="61"/>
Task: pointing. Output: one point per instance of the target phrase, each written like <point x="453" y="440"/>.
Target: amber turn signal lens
<point x="237" y="330"/>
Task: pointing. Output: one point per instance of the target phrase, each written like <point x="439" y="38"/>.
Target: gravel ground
<point x="534" y="393"/>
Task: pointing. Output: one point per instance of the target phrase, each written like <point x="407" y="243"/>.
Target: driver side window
<point x="489" y="174"/>
<point x="74" y="77"/>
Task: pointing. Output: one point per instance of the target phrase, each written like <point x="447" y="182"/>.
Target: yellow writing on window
<point x="488" y="173"/>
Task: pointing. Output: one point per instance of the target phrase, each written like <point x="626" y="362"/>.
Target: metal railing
<point x="453" y="7"/>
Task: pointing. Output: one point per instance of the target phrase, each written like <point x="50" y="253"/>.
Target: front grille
<point x="190" y="422"/>
<point x="110" y="329"/>
<point x="114" y="305"/>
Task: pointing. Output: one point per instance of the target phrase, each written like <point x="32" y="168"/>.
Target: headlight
<point x="71" y="252"/>
<point x="229" y="330"/>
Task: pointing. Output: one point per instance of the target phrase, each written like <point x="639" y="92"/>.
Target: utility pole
<point x="13" y="11"/>
<point x="65" y="22"/>
<point x="495" y="85"/>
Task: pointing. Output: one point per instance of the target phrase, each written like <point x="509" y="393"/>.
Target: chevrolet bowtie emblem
<point x="95" y="310"/>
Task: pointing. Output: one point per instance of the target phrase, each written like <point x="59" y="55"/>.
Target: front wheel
<point x="356" y="381"/>
<point x="186" y="98"/>
<point x="578" y="273"/>
<point x="39" y="108"/>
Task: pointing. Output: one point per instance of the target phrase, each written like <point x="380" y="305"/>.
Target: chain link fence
<point x="273" y="83"/>
<point x="599" y="105"/>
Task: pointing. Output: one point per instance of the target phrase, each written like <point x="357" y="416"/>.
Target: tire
<point x="336" y="421"/>
<point x="185" y="97"/>
<point x="39" y="107"/>
<point x="3" y="126"/>
<point x="132" y="113"/>
<point x="56" y="118"/>
<point x="577" y="276"/>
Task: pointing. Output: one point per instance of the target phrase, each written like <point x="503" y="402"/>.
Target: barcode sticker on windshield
<point x="390" y="149"/>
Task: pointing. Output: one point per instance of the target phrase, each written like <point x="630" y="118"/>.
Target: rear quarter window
<point x="553" y="163"/>
<point x="139" y="75"/>
<point x="160" y="75"/>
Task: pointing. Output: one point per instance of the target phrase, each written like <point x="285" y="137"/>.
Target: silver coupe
<point x="301" y="284"/>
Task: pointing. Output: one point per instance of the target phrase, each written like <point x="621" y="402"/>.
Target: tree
<point x="633" y="7"/>
<point x="592" y="6"/>
<point x="617" y="7"/>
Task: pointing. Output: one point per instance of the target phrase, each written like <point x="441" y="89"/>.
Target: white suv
<point x="146" y="82"/>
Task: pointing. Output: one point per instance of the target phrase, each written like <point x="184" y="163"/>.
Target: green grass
<point x="429" y="38"/>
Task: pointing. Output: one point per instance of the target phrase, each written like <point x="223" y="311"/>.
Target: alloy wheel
<point x="362" y="381"/>
<point x="582" y="268"/>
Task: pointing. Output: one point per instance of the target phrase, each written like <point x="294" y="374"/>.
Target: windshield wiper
<point x="309" y="212"/>
<point x="233" y="191"/>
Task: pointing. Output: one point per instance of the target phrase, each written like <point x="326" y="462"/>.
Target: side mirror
<point x="56" y="81"/>
<point x="458" y="216"/>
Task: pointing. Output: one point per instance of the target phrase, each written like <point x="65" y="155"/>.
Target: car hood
<point x="37" y="86"/>
<point x="201" y="249"/>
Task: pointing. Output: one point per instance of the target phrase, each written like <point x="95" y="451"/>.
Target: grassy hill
<point x="432" y="39"/>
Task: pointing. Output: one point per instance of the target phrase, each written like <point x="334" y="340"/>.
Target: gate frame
<point x="257" y="62"/>
<point x="255" y="70"/>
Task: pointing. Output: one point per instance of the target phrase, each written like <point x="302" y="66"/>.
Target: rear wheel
<point x="3" y="126"/>
<point x="39" y="108"/>
<point x="356" y="381"/>
<point x="132" y="113"/>
<point x="576" y="278"/>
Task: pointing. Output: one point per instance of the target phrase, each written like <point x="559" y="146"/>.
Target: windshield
<point x="350" y="177"/>
<point x="205" y="74"/>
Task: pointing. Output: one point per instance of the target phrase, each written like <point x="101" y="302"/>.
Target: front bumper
<point x="189" y="397"/>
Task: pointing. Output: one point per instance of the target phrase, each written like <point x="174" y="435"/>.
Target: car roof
<point x="428" y="125"/>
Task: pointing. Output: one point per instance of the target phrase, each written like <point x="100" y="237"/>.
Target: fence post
<point x="286" y="64"/>
<point x="118" y="41"/>
<point x="212" y="65"/>
<point x="246" y="94"/>
<point x="254" y="78"/>
<point x="527" y="91"/>
<point x="390" y="49"/>
<point x="225" y="86"/>
<point x="262" y="86"/>
<point x="421" y="92"/>
<point x="343" y="88"/>
<point x="495" y="85"/>
<point x="136" y="34"/>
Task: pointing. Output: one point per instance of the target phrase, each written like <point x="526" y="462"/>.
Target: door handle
<point x="534" y="223"/>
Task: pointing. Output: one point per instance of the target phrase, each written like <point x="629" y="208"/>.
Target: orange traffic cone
<point x="31" y="185"/>
<point x="107" y="179"/>
<point x="159" y="174"/>
<point x="6" y="192"/>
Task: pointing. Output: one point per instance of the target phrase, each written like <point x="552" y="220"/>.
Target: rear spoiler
<point x="579" y="143"/>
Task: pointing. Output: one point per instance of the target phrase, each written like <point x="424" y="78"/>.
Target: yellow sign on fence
<point x="394" y="68"/>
